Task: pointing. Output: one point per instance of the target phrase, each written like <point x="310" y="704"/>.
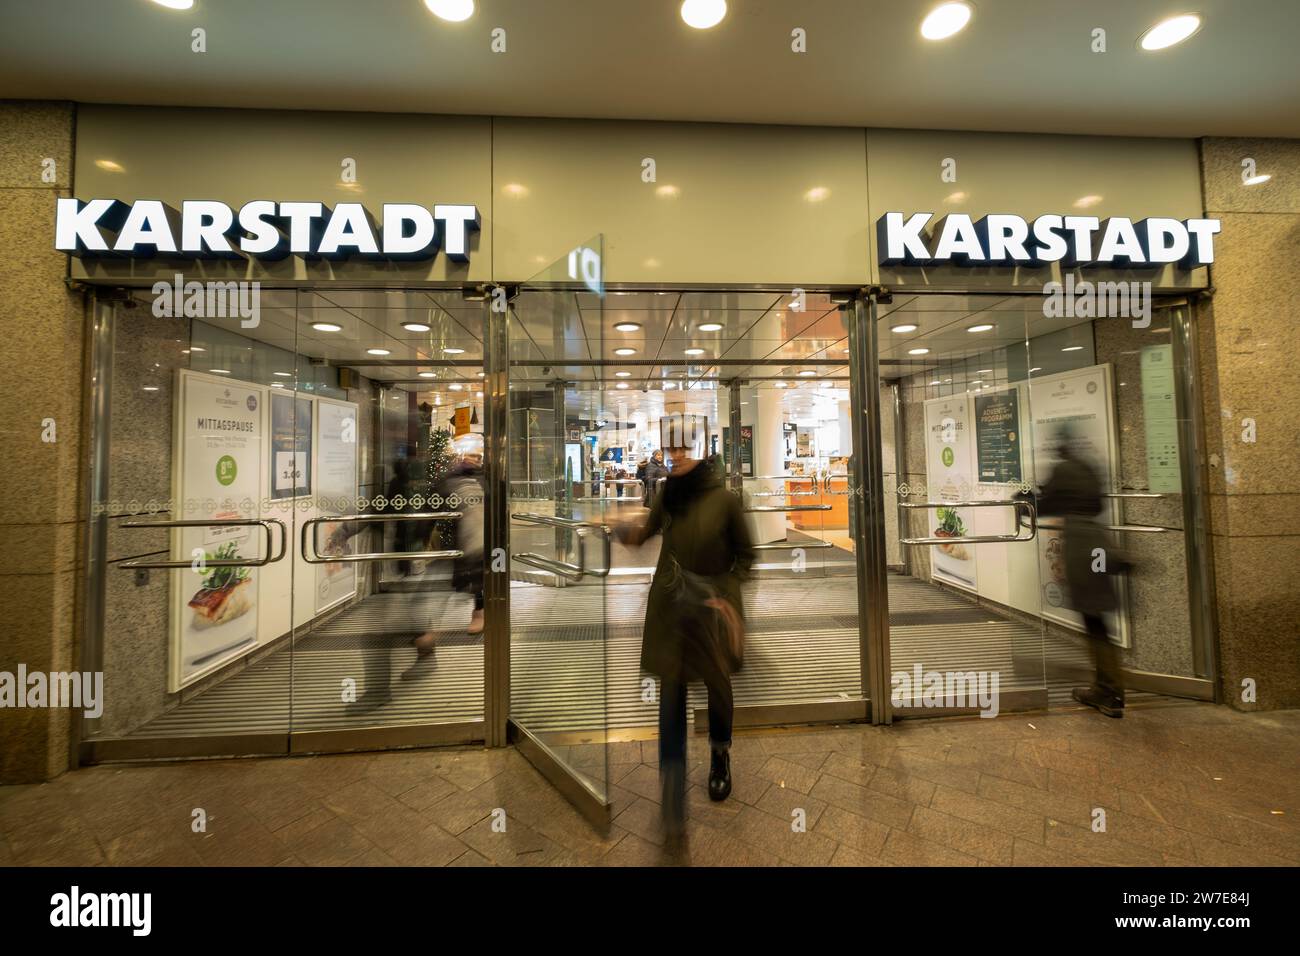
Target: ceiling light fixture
<point x="428" y="375"/>
<point x="455" y="386"/>
<point x="703" y="14"/>
<point x="907" y="327"/>
<point x="415" y="327"/>
<point x="624" y="351"/>
<point x="627" y="326"/>
<point x="621" y="385"/>
<point x="622" y="374"/>
<point x="808" y="372"/>
<point x="455" y="11"/>
<point x="175" y="4"/>
<point x="1073" y="348"/>
<point x="326" y="327"/>
<point x="1170" y="31"/>
<point x="694" y="351"/>
<point x="282" y="374"/>
<point x="711" y="327"/>
<point x="918" y="351"/>
<point x="378" y="352"/>
<point x="945" y="20"/>
<point x="219" y="371"/>
<point x="453" y="351"/>
<point x="983" y="327"/>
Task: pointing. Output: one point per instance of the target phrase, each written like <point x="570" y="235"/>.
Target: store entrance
<point x="984" y="398"/>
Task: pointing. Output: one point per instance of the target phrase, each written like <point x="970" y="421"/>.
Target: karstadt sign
<point x="262" y="229"/>
<point x="1006" y="240"/>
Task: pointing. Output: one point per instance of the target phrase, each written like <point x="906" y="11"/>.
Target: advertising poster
<point x="1075" y="408"/>
<point x="997" y="437"/>
<point x="219" y="468"/>
<point x="1160" y="419"/>
<point x="291" y="433"/>
<point x="336" y="483"/>
<point x="948" y="468"/>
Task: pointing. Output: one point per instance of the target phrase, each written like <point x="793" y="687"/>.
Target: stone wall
<point x="1247" y="334"/>
<point x="42" y="358"/>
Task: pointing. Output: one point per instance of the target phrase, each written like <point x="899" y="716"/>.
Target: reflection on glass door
<point x="560" y="545"/>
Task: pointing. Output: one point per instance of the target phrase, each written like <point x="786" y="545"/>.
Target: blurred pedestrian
<point x="655" y="470"/>
<point x="694" y="618"/>
<point x="1073" y="493"/>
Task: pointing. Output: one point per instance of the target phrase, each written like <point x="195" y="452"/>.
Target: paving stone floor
<point x="1180" y="783"/>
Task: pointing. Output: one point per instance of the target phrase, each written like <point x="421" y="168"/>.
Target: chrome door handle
<point x="1019" y="504"/>
<point x="264" y="523"/>
<point x="310" y="535"/>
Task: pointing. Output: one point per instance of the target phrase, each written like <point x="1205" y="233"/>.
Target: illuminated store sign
<point x="998" y="240"/>
<point x="261" y="229"/>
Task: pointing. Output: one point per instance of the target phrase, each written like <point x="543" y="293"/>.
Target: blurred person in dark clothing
<point x="694" y="618"/>
<point x="1073" y="493"/>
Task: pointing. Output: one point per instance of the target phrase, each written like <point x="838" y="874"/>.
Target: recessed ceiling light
<point x="694" y="351"/>
<point x="667" y="191"/>
<point x="711" y="327"/>
<point x="175" y="4"/>
<point x="1170" y="31"/>
<point x="918" y="351"/>
<point x="1256" y="180"/>
<point x="621" y="385"/>
<point x="415" y="327"/>
<point x="1072" y="348"/>
<point x="907" y="327"/>
<point x="326" y="327"/>
<point x="945" y="20"/>
<point x="219" y="371"/>
<point x="703" y="14"/>
<point x="282" y="374"/>
<point x="453" y="351"/>
<point x="455" y="386"/>
<point x="453" y="10"/>
<point x="109" y="166"/>
<point x="150" y="388"/>
<point x="627" y="326"/>
<point x="378" y="352"/>
<point x="622" y="374"/>
<point x="816" y="194"/>
<point x="624" y="351"/>
<point x="808" y="372"/>
<point x="982" y="327"/>
<point x="428" y="375"/>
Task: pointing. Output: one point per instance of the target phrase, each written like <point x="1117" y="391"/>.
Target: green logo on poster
<point x="226" y="469"/>
<point x="947" y="457"/>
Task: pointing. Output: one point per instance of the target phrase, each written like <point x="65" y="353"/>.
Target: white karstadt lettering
<point x="262" y="228"/>
<point x="999" y="239"/>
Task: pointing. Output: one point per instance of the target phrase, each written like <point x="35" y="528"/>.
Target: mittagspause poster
<point x="950" y="476"/>
<point x="219" y="452"/>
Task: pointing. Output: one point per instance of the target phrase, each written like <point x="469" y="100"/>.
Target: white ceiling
<point x="1021" y="65"/>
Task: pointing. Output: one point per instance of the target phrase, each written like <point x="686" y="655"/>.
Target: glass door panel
<point x="389" y="554"/>
<point x="965" y="628"/>
<point x="560" y="546"/>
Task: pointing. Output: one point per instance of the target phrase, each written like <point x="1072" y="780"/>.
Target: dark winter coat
<point x="704" y="529"/>
<point x="654" y="470"/>
<point x="1073" y="493"/>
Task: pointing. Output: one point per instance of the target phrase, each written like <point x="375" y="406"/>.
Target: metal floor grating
<point x="802" y="646"/>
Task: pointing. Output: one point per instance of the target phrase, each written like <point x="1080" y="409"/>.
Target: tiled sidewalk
<point x="1180" y="784"/>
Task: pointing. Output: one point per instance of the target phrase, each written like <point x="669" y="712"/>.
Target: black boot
<point x="1110" y="704"/>
<point x="720" y="775"/>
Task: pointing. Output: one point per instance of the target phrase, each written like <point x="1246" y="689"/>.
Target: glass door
<point x="389" y="551"/>
<point x="560" y="545"/>
<point x="1041" y="519"/>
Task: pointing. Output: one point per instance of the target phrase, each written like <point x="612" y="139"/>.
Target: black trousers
<point x="672" y="716"/>
<point x="1105" y="656"/>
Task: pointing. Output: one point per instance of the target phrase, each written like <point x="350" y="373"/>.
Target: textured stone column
<point x="1248" y="341"/>
<point x="41" y="365"/>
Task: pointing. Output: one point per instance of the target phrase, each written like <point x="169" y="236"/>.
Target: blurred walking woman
<point x="694" y="610"/>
